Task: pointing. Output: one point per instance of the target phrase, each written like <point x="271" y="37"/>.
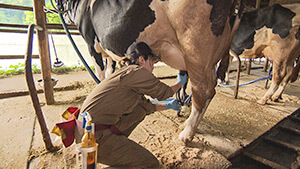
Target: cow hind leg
<point x="109" y="66"/>
<point x="184" y="87"/>
<point x="97" y="62"/>
<point x="276" y="80"/>
<point x="277" y="95"/>
<point x="295" y="73"/>
<point x="202" y="96"/>
<point x="104" y="64"/>
<point x="223" y="69"/>
<point x="100" y="73"/>
<point x="192" y="123"/>
<point x="228" y="70"/>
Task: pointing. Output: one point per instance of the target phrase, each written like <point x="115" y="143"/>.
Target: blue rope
<point x="253" y="81"/>
<point x="244" y="84"/>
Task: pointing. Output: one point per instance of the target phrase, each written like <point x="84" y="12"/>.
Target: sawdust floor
<point x="228" y="125"/>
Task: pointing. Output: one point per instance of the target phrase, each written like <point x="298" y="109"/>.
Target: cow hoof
<point x="185" y="136"/>
<point x="178" y="141"/>
<point x="277" y="98"/>
<point x="261" y="102"/>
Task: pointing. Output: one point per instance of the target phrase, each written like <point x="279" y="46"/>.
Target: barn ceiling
<point x="264" y="3"/>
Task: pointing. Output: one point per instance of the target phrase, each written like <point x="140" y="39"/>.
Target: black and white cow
<point x="271" y="32"/>
<point x="189" y="35"/>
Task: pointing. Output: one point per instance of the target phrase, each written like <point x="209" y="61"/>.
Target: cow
<point x="296" y="71"/>
<point x="189" y="35"/>
<point x="271" y="32"/>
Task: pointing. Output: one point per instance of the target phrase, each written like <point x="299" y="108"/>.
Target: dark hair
<point x="137" y="49"/>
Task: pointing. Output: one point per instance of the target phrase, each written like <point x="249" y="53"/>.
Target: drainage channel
<point x="277" y="148"/>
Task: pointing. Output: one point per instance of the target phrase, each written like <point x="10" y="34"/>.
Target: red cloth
<point x="68" y="131"/>
<point x="67" y="128"/>
<point x="74" y="112"/>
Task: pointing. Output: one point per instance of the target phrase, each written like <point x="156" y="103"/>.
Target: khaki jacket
<point x="118" y="95"/>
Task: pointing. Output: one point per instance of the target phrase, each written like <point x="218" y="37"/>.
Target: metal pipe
<point x="32" y="88"/>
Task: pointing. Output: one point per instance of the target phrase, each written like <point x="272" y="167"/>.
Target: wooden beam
<point x="40" y="19"/>
<point x="16" y="56"/>
<point x="17" y="7"/>
<point x="48" y="26"/>
<point x="21" y="28"/>
<point x="59" y="26"/>
<point x="13" y="25"/>
<point x="263" y="160"/>
<point x="25" y="31"/>
<point x="13" y="31"/>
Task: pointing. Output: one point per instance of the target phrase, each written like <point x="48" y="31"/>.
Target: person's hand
<point x="173" y="105"/>
<point x="182" y="79"/>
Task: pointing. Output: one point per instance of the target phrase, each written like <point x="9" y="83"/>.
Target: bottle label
<point x="91" y="160"/>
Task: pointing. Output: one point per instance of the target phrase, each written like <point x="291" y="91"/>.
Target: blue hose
<point x="244" y="84"/>
<point x="74" y="45"/>
<point x="253" y="81"/>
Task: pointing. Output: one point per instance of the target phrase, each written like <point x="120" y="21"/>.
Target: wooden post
<point x="40" y="18"/>
<point x="248" y="69"/>
<point x="266" y="65"/>
<point x="237" y="82"/>
<point x="257" y="4"/>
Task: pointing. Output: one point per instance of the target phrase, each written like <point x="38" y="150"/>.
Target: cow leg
<point x="266" y="65"/>
<point x="184" y="95"/>
<point x="223" y="68"/>
<point x="228" y="70"/>
<point x="110" y="66"/>
<point x="100" y="70"/>
<point x="192" y="123"/>
<point x="203" y="92"/>
<point x="295" y="73"/>
<point x="269" y="93"/>
<point x="284" y="82"/>
<point x="276" y="80"/>
<point x="100" y="73"/>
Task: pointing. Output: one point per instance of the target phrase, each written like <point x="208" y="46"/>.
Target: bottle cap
<point x="88" y="126"/>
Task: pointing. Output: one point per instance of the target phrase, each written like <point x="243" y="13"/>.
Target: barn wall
<point x="283" y="1"/>
<point x="251" y="4"/>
